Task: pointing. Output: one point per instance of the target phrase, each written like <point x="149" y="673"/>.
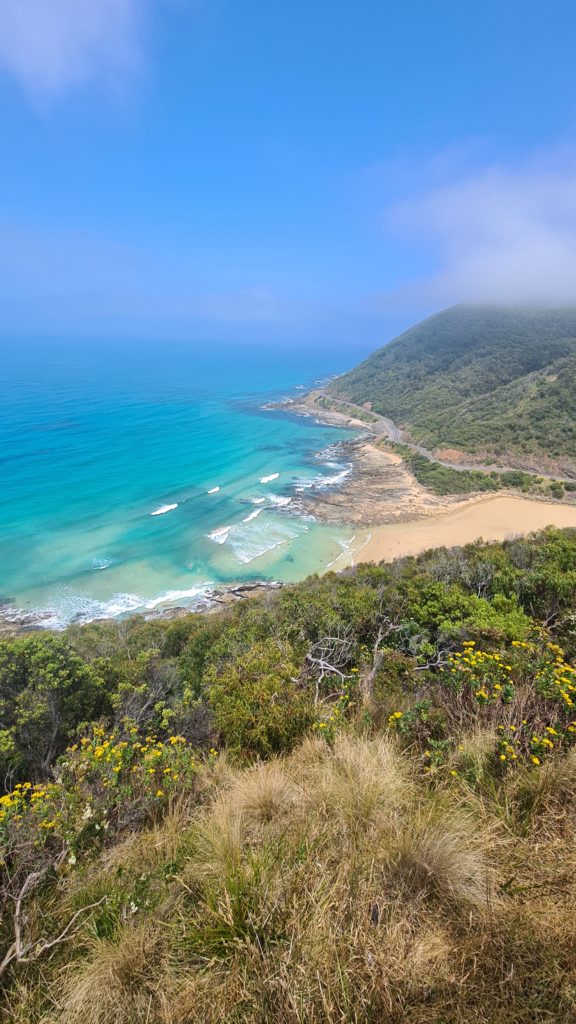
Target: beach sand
<point x="490" y="518"/>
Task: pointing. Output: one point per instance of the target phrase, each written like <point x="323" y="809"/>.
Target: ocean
<point x="138" y="476"/>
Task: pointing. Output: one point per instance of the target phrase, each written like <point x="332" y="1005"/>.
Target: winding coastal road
<point x="385" y="427"/>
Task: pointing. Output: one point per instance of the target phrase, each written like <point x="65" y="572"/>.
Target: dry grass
<point x="360" y="781"/>
<point x="546" y="799"/>
<point x="117" y="984"/>
<point x="334" y="887"/>
<point x="443" y="858"/>
<point x="264" y="793"/>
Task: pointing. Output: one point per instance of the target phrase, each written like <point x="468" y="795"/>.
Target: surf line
<point x="164" y="509"/>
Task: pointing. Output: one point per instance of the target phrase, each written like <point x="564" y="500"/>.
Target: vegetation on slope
<point x="442" y="479"/>
<point x="351" y="800"/>
<point x="480" y="379"/>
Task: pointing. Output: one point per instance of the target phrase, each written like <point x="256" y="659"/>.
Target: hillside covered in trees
<point x="350" y="800"/>
<point x="493" y="381"/>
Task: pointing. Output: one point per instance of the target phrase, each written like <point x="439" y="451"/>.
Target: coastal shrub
<point x="259" y="707"/>
<point x="521" y="703"/>
<point x="104" y="786"/>
<point x="444" y="479"/>
<point x="46" y="691"/>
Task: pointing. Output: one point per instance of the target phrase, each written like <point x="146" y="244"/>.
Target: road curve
<point x="387" y="427"/>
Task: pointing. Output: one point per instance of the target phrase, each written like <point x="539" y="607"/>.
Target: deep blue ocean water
<point x="94" y="438"/>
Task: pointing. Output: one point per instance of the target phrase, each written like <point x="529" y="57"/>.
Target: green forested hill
<point x="479" y="378"/>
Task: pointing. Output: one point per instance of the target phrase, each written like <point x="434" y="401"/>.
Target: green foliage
<point x="443" y="479"/>
<point x="331" y="406"/>
<point x="479" y="379"/>
<point x="451" y="675"/>
<point x="46" y="691"/>
<point x="257" y="706"/>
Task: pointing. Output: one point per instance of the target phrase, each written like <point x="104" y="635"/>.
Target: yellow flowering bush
<point x="105" y="783"/>
<point x="331" y="716"/>
<point x="527" y="693"/>
<point x="554" y="678"/>
<point x="486" y="674"/>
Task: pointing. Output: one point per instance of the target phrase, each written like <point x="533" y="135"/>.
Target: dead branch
<point x="385" y="629"/>
<point x="25" y="952"/>
<point x="327" y="657"/>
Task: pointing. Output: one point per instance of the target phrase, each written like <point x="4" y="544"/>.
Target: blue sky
<point x="304" y="171"/>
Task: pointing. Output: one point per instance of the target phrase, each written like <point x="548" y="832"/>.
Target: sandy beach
<point x="490" y="518"/>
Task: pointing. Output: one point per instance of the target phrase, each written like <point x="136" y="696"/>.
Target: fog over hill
<point x="478" y="378"/>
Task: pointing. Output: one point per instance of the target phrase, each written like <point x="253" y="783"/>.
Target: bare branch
<point x="26" y="952"/>
<point x="385" y="629"/>
<point x="328" y="657"/>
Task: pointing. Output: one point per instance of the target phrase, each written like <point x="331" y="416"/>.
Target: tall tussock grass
<point x="338" y="885"/>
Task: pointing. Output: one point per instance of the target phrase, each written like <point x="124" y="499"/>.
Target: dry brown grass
<point x="264" y="793"/>
<point x="335" y="887"/>
<point x="118" y="983"/>
<point x="447" y="858"/>
<point x="546" y="799"/>
<point x="359" y="781"/>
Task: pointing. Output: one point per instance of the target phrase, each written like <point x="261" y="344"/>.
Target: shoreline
<point x="380" y="488"/>
<point x="17" y="621"/>
<point x="394" y="516"/>
<point x="493" y="517"/>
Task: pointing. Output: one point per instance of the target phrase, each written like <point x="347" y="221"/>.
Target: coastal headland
<point x="396" y="515"/>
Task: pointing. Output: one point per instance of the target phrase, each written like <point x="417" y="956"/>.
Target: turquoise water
<point x="138" y="476"/>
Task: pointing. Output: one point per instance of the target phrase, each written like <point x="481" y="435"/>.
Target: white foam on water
<point x="268" y="479"/>
<point x="220" y="536"/>
<point x="321" y="482"/>
<point x="253" y="515"/>
<point x="101" y="563"/>
<point x="164" y="509"/>
<point x="249" y="540"/>
<point x="257" y="501"/>
<point x="344" y="545"/>
<point x="338" y="478"/>
<point x="74" y="606"/>
<point x="279" y="499"/>
<point x="171" y="596"/>
<point x="213" y="490"/>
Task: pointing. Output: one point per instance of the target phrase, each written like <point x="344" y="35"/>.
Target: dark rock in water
<point x="14" y="621"/>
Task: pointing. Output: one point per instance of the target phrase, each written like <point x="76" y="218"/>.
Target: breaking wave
<point x="248" y="540"/>
<point x="72" y="606"/>
<point x="164" y="509"/>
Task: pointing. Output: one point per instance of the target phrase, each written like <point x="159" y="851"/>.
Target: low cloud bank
<point x="495" y="234"/>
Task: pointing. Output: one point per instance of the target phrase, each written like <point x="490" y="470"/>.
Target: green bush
<point x="46" y="691"/>
<point x="259" y="708"/>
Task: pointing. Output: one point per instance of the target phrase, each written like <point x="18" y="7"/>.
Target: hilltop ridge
<point x="488" y="381"/>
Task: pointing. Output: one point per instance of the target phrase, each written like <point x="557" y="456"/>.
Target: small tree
<point x="259" y="706"/>
<point x="46" y="691"/>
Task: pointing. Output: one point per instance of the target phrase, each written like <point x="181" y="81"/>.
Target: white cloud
<point x="497" y="234"/>
<point x="50" y="46"/>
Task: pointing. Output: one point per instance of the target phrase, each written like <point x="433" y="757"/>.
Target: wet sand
<point x="491" y="518"/>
